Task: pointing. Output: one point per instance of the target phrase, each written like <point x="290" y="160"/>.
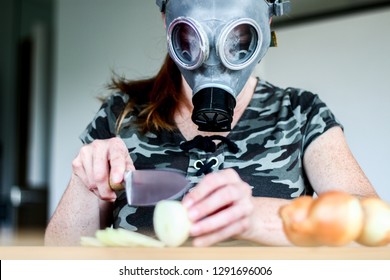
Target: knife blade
<point x="147" y="187"/>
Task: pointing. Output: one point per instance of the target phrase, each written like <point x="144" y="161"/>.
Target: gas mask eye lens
<point x="187" y="43"/>
<point x="239" y="44"/>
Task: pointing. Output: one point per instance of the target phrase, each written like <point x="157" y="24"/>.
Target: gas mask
<point x="216" y="44"/>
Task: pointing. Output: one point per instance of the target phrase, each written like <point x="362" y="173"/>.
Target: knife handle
<point x="116" y="187"/>
<point x="122" y="185"/>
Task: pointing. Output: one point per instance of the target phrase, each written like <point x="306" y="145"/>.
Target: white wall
<point x="344" y="60"/>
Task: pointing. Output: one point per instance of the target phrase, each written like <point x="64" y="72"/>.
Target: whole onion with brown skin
<point x="376" y="229"/>
<point x="293" y="215"/>
<point x="335" y="218"/>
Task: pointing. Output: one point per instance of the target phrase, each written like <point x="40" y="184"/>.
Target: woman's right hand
<point x="101" y="164"/>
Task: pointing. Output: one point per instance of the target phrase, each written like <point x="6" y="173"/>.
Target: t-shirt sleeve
<point x="316" y="117"/>
<point x="103" y="125"/>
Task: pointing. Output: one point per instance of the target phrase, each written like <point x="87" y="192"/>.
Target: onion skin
<point x="292" y="216"/>
<point x="376" y="229"/>
<point x="334" y="219"/>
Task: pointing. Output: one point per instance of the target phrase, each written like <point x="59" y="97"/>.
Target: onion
<point x="292" y="215"/>
<point x="171" y="223"/>
<point x="334" y="218"/>
<point x="376" y="229"/>
<point x="119" y="237"/>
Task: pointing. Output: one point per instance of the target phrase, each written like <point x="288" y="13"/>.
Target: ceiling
<point x="304" y="10"/>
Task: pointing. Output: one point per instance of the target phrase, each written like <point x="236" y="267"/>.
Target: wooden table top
<point x="191" y="253"/>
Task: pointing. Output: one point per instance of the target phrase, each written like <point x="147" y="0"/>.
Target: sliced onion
<point x="111" y="237"/>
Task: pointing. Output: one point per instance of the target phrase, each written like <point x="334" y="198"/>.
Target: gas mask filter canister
<point x="216" y="44"/>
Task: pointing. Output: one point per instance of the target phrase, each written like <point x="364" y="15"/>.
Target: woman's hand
<point x="219" y="207"/>
<point x="102" y="163"/>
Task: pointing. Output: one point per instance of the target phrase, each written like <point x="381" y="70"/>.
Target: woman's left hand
<point x="219" y="207"/>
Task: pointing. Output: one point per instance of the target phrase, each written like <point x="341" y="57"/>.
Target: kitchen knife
<point x="147" y="187"/>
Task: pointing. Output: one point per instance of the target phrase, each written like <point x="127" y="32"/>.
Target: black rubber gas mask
<point x="216" y="44"/>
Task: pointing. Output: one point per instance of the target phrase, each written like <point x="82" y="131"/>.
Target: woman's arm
<point x="330" y="165"/>
<point x="86" y="205"/>
<point x="79" y="213"/>
<point x="221" y="205"/>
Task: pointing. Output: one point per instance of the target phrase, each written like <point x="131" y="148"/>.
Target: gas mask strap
<point x="279" y="7"/>
<point x="162" y="4"/>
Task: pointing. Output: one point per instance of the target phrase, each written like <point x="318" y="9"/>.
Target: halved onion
<point x="171" y="223"/>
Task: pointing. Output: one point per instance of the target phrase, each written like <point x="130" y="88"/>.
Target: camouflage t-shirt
<point x="271" y="136"/>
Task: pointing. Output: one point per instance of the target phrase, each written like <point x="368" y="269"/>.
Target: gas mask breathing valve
<point x="213" y="110"/>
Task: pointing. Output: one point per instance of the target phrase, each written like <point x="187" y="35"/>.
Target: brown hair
<point x="155" y="98"/>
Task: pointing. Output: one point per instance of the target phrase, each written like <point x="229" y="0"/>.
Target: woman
<point x="247" y="146"/>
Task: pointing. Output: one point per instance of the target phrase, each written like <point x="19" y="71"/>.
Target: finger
<point x="221" y="198"/>
<point x="95" y="191"/>
<point x="222" y="218"/>
<point x="223" y="234"/>
<point x="217" y="200"/>
<point x="82" y="167"/>
<point x="119" y="159"/>
<point x="209" y="184"/>
<point x="100" y="172"/>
